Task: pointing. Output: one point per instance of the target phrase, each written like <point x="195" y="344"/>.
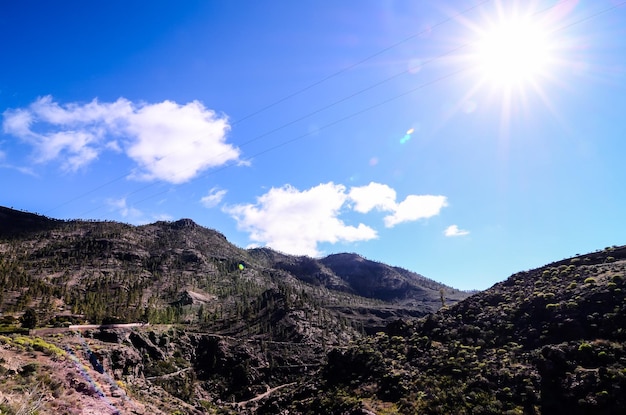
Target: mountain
<point x="545" y="341"/>
<point x="235" y="331"/>
<point x="96" y="271"/>
<point x="223" y="323"/>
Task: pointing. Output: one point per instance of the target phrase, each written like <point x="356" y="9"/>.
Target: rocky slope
<point x="179" y="271"/>
<point x="546" y="341"/>
<point x="150" y="370"/>
<point x="255" y="331"/>
<point x="227" y="327"/>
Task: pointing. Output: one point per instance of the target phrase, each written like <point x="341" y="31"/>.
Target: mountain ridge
<point x="551" y="340"/>
<point x="236" y="331"/>
<point x="152" y="265"/>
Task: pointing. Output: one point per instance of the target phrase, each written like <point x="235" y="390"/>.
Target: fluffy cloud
<point x="214" y="197"/>
<point x="416" y="207"/>
<point x="383" y="198"/>
<point x="168" y="141"/>
<point x="173" y="142"/>
<point x="294" y="221"/>
<point x="454" y="230"/>
<point x="373" y="196"/>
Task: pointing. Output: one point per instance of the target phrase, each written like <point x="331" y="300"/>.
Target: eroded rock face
<point x="188" y="365"/>
<point x="109" y="335"/>
<point x="123" y="362"/>
<point x="142" y="343"/>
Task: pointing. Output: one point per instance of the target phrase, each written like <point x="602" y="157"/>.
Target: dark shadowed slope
<point x="14" y="223"/>
<point x="546" y="341"/>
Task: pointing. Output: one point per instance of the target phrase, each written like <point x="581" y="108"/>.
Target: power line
<point x="362" y="61"/>
<point x="300" y="137"/>
<point x="298" y="92"/>
<point x="352" y="115"/>
<point x="370" y="108"/>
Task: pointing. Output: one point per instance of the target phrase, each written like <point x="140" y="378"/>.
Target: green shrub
<point x="590" y="280"/>
<point x="47" y="348"/>
<point x="29" y="369"/>
<point x="29" y="319"/>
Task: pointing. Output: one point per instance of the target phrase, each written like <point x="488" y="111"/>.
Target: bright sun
<point x="516" y="55"/>
<point x="513" y="52"/>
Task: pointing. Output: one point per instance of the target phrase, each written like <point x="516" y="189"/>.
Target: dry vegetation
<point x="255" y="331"/>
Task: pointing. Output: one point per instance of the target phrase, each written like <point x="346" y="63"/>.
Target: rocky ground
<point x="149" y="370"/>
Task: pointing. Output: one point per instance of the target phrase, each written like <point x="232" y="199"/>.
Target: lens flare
<point x="407" y="136"/>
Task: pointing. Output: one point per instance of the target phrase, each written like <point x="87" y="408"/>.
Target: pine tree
<point x="29" y="319"/>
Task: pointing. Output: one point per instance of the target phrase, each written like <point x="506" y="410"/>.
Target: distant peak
<point x="346" y="256"/>
<point x="184" y="223"/>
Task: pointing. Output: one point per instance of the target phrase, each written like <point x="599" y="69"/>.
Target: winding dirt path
<point x="169" y="375"/>
<point x="264" y="394"/>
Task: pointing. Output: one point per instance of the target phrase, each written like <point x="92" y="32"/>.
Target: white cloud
<point x="374" y="195"/>
<point x="133" y="215"/>
<point x="294" y="221"/>
<point x="454" y="230"/>
<point x="4" y="165"/>
<point x="17" y="122"/>
<point x="168" y="141"/>
<point x="214" y="197"/>
<point x="383" y="198"/>
<point x="174" y="142"/>
<point x="415" y="207"/>
<point x="113" y="145"/>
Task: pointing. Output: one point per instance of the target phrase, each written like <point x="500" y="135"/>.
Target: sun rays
<point x="515" y="57"/>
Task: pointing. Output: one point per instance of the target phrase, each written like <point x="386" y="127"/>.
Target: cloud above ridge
<point x="383" y="198"/>
<point x="167" y="141"/>
<point x="295" y="222"/>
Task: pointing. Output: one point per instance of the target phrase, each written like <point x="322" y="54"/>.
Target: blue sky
<point x="465" y="141"/>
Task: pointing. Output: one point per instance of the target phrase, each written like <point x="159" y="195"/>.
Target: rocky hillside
<point x="235" y="331"/>
<point x="546" y="341"/>
<point x="172" y="272"/>
<point x="158" y="370"/>
<point x="223" y="324"/>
